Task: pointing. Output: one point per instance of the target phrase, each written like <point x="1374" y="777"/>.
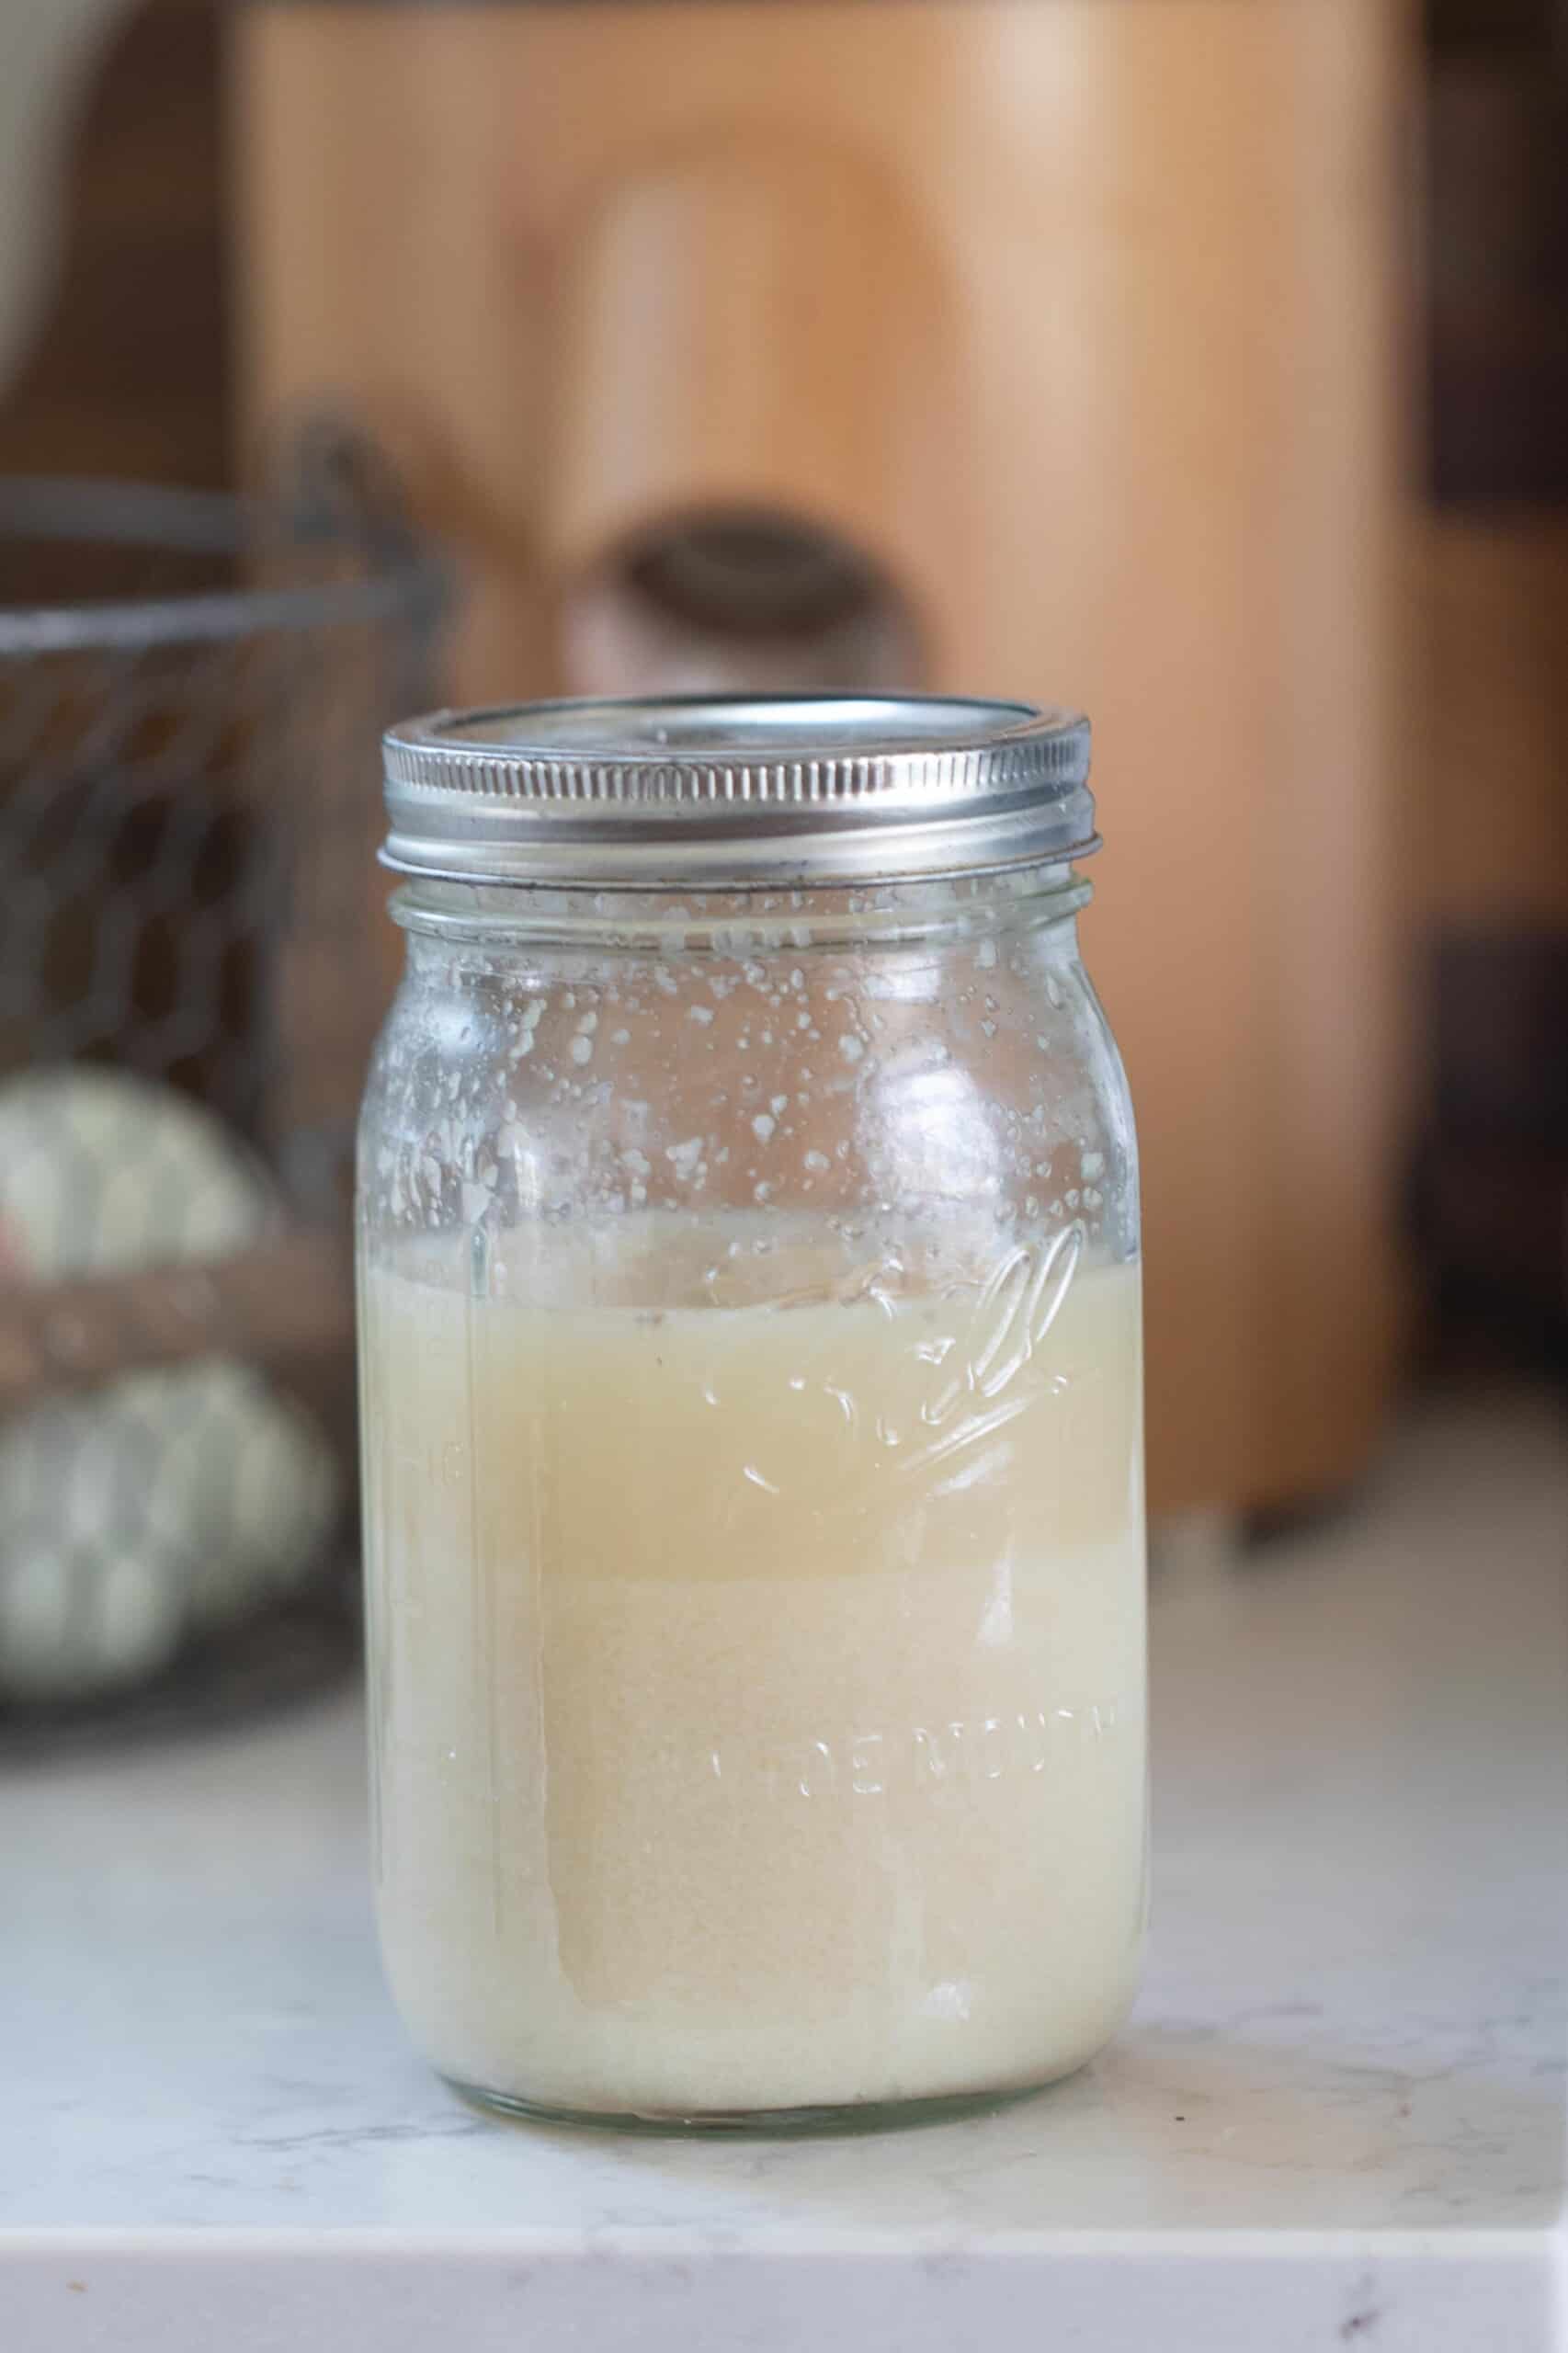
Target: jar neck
<point x="739" y="923"/>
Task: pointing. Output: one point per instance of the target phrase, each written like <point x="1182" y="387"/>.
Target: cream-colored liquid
<point x="757" y="1693"/>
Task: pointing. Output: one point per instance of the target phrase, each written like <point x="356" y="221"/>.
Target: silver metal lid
<point x="738" y="792"/>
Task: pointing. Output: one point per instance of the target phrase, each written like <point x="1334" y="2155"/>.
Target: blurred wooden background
<point x="146" y="367"/>
<point x="132" y="372"/>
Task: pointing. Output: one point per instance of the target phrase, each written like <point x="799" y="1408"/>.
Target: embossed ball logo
<point x="955" y="1388"/>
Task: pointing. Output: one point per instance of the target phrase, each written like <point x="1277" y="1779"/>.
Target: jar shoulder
<point x="908" y="1081"/>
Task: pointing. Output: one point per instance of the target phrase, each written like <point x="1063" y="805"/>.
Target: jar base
<point x="758" y="2124"/>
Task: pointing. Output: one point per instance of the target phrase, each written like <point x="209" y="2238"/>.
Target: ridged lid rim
<point x="750" y="791"/>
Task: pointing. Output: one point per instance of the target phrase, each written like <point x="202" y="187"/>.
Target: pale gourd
<point x="167" y="1502"/>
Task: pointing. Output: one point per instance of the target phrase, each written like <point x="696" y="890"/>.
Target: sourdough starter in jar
<point x="756" y="1594"/>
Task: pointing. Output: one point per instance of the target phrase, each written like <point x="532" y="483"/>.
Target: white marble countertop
<point x="1337" y="2117"/>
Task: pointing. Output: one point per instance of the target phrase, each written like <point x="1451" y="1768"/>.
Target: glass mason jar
<point x="750" y="1337"/>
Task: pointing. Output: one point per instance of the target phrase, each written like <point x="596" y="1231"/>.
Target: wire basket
<point x="191" y="976"/>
